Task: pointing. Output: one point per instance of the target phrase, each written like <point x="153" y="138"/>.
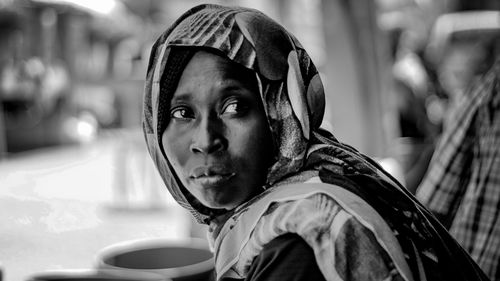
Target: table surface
<point x="59" y="207"/>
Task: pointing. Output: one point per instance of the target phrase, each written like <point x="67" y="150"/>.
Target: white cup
<point x="95" y="275"/>
<point x="179" y="260"/>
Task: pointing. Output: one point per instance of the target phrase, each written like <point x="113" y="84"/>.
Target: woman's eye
<point x="234" y="107"/>
<point x="181" y="113"/>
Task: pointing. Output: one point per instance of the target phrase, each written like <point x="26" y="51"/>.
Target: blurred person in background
<point x="462" y="186"/>
<point x="232" y="112"/>
<point x="419" y="105"/>
<point x="463" y="61"/>
<point x="417" y="96"/>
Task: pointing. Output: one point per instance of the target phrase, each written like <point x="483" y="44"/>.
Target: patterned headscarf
<point x="293" y="98"/>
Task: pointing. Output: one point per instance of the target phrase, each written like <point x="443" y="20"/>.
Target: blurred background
<point x="74" y="171"/>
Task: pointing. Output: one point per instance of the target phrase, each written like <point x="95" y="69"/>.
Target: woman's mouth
<point x="213" y="180"/>
<point x="211" y="176"/>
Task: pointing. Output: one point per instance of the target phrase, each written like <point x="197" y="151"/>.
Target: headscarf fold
<point x="293" y="97"/>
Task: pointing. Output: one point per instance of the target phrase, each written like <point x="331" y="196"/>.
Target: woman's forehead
<point x="209" y="67"/>
<point x="206" y="61"/>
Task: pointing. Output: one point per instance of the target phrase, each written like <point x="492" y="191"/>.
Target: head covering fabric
<point x="293" y="98"/>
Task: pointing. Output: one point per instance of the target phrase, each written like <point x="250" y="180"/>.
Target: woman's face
<point x="217" y="139"/>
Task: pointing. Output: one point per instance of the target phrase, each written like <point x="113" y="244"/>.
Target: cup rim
<point x="112" y="274"/>
<point x="151" y="243"/>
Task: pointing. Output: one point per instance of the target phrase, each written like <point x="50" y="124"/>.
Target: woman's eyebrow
<point x="232" y="86"/>
<point x="236" y="89"/>
<point x="237" y="84"/>
<point x="182" y="97"/>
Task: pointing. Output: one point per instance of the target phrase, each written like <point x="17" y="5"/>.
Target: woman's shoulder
<point x="322" y="215"/>
<point x="328" y="215"/>
<point x="286" y="257"/>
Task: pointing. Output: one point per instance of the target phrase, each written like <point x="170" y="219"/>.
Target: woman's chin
<point x="220" y="205"/>
<point x="224" y="203"/>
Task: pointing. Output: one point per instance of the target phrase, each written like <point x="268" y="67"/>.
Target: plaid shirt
<point x="462" y="185"/>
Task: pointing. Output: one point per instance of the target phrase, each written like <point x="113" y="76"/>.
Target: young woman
<point x="232" y="113"/>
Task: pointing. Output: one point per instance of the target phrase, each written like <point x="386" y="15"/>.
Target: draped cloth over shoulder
<point x="293" y="97"/>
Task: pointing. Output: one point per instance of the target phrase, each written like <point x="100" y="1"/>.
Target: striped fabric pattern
<point x="463" y="181"/>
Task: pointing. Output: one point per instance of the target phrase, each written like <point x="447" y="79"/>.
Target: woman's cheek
<point x="176" y="148"/>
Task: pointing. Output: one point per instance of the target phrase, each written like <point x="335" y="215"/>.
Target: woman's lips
<point x="213" y="180"/>
<point x="211" y="176"/>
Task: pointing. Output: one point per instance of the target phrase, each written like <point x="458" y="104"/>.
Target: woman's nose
<point x="208" y="138"/>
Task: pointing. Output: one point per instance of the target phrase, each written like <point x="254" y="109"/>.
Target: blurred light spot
<point x="82" y="128"/>
<point x="85" y="129"/>
<point x="98" y="6"/>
